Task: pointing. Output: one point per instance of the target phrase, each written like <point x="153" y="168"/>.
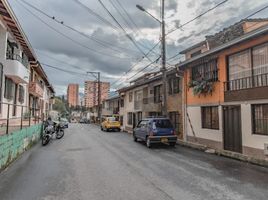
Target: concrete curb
<point x="229" y="154"/>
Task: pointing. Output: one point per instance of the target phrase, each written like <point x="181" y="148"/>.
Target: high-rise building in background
<point x="91" y="92"/>
<point x="73" y="95"/>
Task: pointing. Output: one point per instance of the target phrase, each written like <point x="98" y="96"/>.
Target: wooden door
<point x="232" y="128"/>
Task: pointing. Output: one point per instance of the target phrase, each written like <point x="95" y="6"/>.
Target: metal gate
<point x="232" y="128"/>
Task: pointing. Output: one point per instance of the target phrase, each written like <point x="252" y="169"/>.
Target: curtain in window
<point x="260" y="59"/>
<point x="239" y="65"/>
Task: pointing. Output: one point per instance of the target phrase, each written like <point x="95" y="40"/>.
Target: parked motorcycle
<point x="51" y="129"/>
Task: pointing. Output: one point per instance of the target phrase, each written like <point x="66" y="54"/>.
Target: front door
<point x="134" y="120"/>
<point x="232" y="128"/>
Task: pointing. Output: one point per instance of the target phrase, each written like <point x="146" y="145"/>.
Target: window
<point x="249" y="68"/>
<point x="162" y="123"/>
<point x="21" y="94"/>
<point x="210" y="117"/>
<point x="174" y="85"/>
<point x="130" y="97"/>
<point x="129" y="118"/>
<point x="9" y="89"/>
<point x="157" y="94"/>
<point x="174" y="118"/>
<point x="143" y="124"/>
<point x="205" y="71"/>
<point x="240" y="65"/>
<point x="260" y="119"/>
<point x="122" y="103"/>
<point x="260" y="59"/>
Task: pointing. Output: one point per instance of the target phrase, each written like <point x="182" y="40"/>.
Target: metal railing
<point x="14" y="117"/>
<point x="153" y="99"/>
<point x="10" y="56"/>
<point x="137" y="105"/>
<point x="247" y="83"/>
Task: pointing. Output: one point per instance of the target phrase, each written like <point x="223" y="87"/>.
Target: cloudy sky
<point x="102" y="46"/>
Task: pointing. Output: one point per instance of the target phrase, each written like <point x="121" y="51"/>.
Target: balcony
<point x="35" y="89"/>
<point x="16" y="71"/>
<point x="137" y="105"/>
<point x="10" y="56"/>
<point x="248" y="88"/>
<point x="152" y="104"/>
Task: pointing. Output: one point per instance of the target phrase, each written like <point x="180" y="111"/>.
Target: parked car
<point x="65" y="122"/>
<point x="155" y="130"/>
<point x="110" y="123"/>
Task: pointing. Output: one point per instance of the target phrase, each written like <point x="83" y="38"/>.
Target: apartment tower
<point x="72" y="94"/>
<point x="91" y="92"/>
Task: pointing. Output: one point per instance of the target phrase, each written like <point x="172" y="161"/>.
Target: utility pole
<point x="99" y="98"/>
<point x="163" y="54"/>
<point x="164" y="70"/>
<point x="96" y="75"/>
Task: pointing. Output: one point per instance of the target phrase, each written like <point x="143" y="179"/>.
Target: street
<point x="88" y="164"/>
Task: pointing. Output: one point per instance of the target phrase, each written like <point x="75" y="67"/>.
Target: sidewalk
<point x="229" y="154"/>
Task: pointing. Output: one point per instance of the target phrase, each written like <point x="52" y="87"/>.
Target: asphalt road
<point x="89" y="164"/>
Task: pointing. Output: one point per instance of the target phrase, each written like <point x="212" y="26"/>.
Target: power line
<point x="202" y="14"/>
<point x="66" y="36"/>
<point x="134" y="24"/>
<point x="63" y="70"/>
<point x="256" y="12"/>
<point x="60" y="61"/>
<point x="90" y="37"/>
<point x="126" y="34"/>
<point x="133" y="66"/>
<point x="90" y="11"/>
<point x="145" y="67"/>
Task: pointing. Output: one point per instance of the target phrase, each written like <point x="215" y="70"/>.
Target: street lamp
<point x="163" y="53"/>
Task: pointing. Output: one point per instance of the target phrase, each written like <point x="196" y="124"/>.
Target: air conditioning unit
<point x="266" y="149"/>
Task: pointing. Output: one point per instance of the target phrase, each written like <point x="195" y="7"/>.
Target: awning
<point x="16" y="79"/>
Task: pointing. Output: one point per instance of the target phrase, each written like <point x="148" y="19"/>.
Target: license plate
<point x="164" y="140"/>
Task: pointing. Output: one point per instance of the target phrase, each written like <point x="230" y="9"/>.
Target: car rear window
<point x="111" y="119"/>
<point x="162" y="123"/>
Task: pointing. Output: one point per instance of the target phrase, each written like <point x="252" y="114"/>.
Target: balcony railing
<point x="154" y="100"/>
<point x="35" y="89"/>
<point x="137" y="105"/>
<point x="11" y="56"/>
<point x="247" y="83"/>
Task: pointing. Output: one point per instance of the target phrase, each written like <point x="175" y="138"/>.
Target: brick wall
<point x="14" y="144"/>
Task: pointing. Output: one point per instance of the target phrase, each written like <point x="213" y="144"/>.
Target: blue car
<point x="155" y="130"/>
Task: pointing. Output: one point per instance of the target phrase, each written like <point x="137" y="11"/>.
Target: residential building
<point x="226" y="89"/>
<point x="91" y="92"/>
<point x="23" y="82"/>
<point x="111" y="106"/>
<point x="143" y="98"/>
<point x="73" y="95"/>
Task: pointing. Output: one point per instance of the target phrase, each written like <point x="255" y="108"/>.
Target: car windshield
<point x="111" y="119"/>
<point x="162" y="123"/>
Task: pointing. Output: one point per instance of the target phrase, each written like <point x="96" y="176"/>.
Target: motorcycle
<point x="51" y="129"/>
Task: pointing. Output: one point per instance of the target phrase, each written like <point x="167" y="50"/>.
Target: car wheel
<point x="101" y="128"/>
<point x="134" y="137"/>
<point x="148" y="142"/>
<point x="172" y="144"/>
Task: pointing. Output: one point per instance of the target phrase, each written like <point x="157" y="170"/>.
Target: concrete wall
<point x="252" y="144"/>
<point x="14" y="144"/>
<point x="196" y="120"/>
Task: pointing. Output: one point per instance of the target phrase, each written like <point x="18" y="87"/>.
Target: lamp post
<point x="163" y="53"/>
